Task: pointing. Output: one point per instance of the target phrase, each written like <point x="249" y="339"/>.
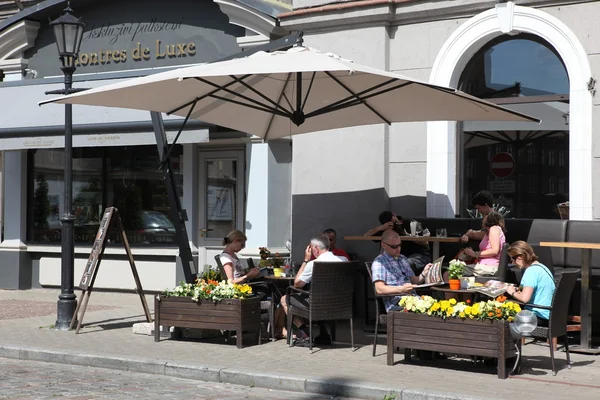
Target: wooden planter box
<point x="232" y="315"/>
<point x="454" y="336"/>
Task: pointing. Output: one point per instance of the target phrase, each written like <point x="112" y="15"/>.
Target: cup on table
<point x="441" y="232"/>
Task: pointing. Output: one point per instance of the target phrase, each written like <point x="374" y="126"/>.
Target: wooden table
<point x="585" y="345"/>
<point x="431" y="239"/>
<point x="277" y="282"/>
<point x="458" y="294"/>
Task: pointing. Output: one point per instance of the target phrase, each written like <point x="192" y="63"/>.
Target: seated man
<point x="332" y="235"/>
<point x="484" y="203"/>
<point x="392" y="275"/>
<point x="418" y="253"/>
<point x="319" y="247"/>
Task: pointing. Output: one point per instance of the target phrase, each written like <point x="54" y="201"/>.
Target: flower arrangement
<point x="497" y="309"/>
<point x="268" y="259"/>
<point x="456" y="269"/>
<point x="210" y="290"/>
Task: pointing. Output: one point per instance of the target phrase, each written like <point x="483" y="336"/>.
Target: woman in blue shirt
<point x="537" y="283"/>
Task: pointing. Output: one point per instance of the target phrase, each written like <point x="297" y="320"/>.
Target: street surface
<point x="40" y="380"/>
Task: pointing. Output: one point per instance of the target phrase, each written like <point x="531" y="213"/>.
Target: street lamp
<point x="68" y="31"/>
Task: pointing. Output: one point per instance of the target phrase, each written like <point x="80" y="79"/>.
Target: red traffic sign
<point x="502" y="165"/>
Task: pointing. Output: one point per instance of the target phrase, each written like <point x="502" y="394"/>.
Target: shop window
<point x="127" y="178"/>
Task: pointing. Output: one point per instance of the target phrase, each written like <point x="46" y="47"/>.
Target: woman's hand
<point x="426" y="269"/>
<point x="308" y="253"/>
<point x="469" y="251"/>
<point x="253" y="273"/>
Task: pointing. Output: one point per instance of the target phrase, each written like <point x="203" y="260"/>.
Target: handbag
<point x="462" y="256"/>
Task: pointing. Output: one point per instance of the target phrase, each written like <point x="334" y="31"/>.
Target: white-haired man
<point x="319" y="248"/>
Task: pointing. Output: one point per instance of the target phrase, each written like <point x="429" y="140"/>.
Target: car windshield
<point x="155" y="219"/>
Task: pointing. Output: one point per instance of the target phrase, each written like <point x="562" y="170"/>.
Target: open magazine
<point x="433" y="277"/>
<point x="491" y="288"/>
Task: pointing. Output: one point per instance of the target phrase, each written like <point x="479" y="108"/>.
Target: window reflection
<point x="127" y="178"/>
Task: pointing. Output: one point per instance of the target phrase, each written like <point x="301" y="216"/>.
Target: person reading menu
<point x="392" y="275"/>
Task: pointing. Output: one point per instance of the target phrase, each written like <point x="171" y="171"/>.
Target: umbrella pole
<point x="178" y="215"/>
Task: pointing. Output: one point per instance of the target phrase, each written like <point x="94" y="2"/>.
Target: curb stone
<point x="226" y="375"/>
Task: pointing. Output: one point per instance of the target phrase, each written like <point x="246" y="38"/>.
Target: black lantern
<point x="68" y="31"/>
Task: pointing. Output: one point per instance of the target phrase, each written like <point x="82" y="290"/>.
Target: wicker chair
<point x="380" y="312"/>
<point x="330" y="294"/>
<point x="557" y="324"/>
<point x="267" y="306"/>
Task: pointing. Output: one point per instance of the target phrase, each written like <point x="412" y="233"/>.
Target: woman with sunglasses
<point x="537" y="283"/>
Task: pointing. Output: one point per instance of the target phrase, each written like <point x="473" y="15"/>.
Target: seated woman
<point x="490" y="247"/>
<point x="537" y="284"/>
<point x="234" y="242"/>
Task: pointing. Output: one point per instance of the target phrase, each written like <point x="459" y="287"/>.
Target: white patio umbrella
<point x="273" y="95"/>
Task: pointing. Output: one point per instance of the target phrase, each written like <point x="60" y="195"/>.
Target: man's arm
<point x="472" y="235"/>
<point x="385" y="290"/>
<point x="380" y="228"/>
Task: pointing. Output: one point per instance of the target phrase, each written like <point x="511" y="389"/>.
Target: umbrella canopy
<point x="554" y="116"/>
<point x="278" y="94"/>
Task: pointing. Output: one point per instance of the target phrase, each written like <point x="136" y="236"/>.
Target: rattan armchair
<point x="557" y="324"/>
<point x="266" y="305"/>
<point x="330" y="296"/>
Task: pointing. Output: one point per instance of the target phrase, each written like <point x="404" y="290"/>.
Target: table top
<point x="572" y="245"/>
<point x="278" y="278"/>
<point x="409" y="238"/>
<point x="447" y="289"/>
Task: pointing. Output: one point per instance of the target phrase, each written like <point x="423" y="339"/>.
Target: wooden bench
<point x="453" y="336"/>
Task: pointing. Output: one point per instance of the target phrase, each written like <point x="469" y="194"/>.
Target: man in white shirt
<point x="319" y="247"/>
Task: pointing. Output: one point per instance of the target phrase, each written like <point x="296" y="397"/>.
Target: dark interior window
<point x="524" y="165"/>
<point x="127" y="178"/>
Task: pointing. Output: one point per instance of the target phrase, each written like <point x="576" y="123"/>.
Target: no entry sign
<point x="502" y="165"/>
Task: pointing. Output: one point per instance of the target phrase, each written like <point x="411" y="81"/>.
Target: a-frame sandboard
<point x="110" y="217"/>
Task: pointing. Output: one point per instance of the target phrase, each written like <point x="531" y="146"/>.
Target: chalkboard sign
<point x="98" y="247"/>
<point x="110" y="217"/>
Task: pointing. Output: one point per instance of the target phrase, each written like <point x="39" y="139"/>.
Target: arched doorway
<point x="525" y="166"/>
<point x="443" y="166"/>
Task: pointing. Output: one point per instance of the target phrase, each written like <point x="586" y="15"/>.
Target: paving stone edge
<point x="362" y="390"/>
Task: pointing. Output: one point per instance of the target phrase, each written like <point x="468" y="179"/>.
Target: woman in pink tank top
<point x="490" y="247"/>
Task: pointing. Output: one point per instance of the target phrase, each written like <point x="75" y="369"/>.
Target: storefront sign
<point x="138" y="34"/>
<point x="107" y="139"/>
<point x="502" y="186"/>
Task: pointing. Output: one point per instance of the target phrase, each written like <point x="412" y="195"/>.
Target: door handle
<point x="205" y="230"/>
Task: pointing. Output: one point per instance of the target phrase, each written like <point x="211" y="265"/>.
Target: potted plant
<point x="455" y="272"/>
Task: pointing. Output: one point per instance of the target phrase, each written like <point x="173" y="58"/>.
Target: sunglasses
<point x="393" y="246"/>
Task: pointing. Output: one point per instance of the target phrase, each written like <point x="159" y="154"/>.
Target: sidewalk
<point x="107" y="341"/>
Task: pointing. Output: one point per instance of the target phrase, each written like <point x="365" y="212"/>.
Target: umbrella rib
<point x="259" y="108"/>
<point x="357" y="97"/>
<point x="249" y="99"/>
<point x="355" y="102"/>
<point x="187" y="117"/>
<point x="350" y="99"/>
<point x="260" y="94"/>
<point x="281" y="94"/>
<point x="312" y="79"/>
<point x="197" y="99"/>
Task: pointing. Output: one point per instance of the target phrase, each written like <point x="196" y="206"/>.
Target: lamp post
<point x="68" y="31"/>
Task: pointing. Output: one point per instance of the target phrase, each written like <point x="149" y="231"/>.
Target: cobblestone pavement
<point x="40" y="380"/>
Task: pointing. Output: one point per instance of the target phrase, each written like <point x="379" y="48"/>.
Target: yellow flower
<point x="452" y="301"/>
<point x="468" y="310"/>
<point x="444" y="304"/>
<point x="462" y="314"/>
<point x="449" y="311"/>
<point x="435" y="307"/>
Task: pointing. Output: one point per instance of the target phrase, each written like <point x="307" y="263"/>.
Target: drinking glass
<point x="441" y="232"/>
<point x="418" y="229"/>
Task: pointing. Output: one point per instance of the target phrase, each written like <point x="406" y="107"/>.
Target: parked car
<point x="157" y="228"/>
